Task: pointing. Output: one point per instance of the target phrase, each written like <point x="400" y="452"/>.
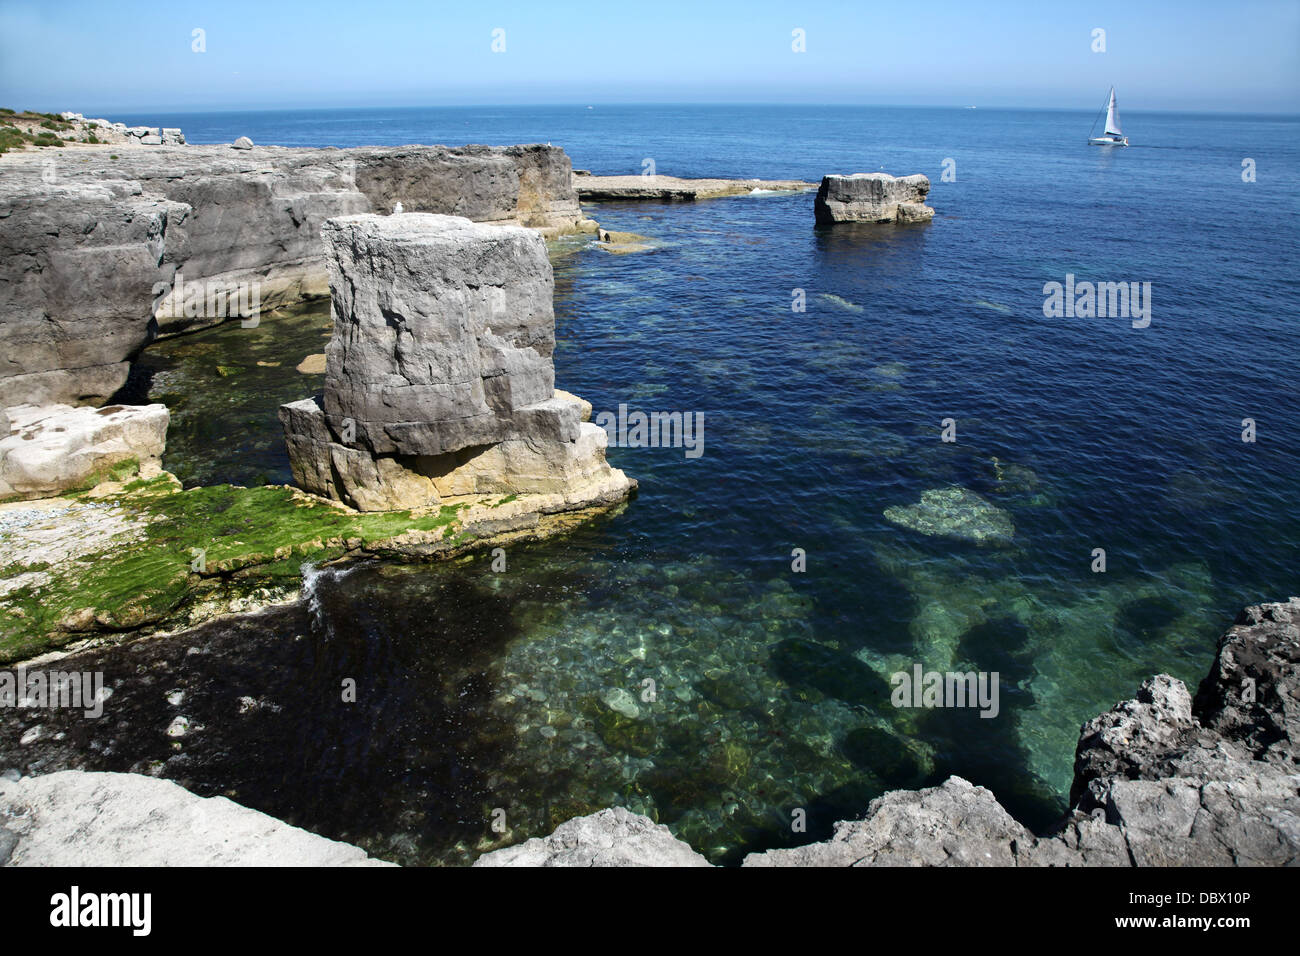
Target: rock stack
<point x="873" y="197"/>
<point x="439" y="380"/>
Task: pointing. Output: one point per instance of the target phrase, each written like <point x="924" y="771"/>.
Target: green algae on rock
<point x="955" y="512"/>
<point x="166" y="558"/>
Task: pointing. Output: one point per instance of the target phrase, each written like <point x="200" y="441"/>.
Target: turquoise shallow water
<point x="525" y="690"/>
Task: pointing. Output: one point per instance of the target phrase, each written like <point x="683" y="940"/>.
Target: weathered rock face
<point x="1158" y="781"/>
<point x="78" y="268"/>
<point x="439" y="380"/>
<point x="50" y="449"/>
<point x="77" y="818"/>
<point x="873" y="197"/>
<point x="443" y="330"/>
<point x="615" y="837"/>
<point x="97" y="254"/>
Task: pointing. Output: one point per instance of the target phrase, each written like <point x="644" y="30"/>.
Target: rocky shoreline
<point x="1160" y="780"/>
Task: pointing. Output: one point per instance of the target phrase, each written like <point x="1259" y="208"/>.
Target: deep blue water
<point x="1087" y="432"/>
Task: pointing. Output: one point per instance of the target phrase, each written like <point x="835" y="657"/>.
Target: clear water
<point x="771" y="685"/>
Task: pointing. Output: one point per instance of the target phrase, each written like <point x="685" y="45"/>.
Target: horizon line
<point x="580" y="104"/>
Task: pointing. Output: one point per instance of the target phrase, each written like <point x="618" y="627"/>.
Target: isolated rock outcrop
<point x="439" y="380"/>
<point x="81" y="819"/>
<point x="873" y="197"/>
<point x="1158" y="781"/>
<point x="99" y="255"/>
<point x="50" y="449"/>
<point x="614" y="837"/>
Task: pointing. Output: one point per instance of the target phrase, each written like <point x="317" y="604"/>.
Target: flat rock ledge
<point x="1159" y="780"/>
<point x="873" y="197"/>
<point x="80" y="818"/>
<point x="439" y="380"/>
<point x="672" y="189"/>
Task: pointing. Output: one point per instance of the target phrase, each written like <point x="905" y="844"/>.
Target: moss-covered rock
<point x="164" y="557"/>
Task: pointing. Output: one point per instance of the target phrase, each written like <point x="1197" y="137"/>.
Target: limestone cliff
<point x="101" y="251"/>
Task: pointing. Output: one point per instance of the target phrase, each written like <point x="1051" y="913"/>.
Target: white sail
<point x="1112" y="116"/>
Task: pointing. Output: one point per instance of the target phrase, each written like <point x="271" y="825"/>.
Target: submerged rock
<point x="873" y="197"/>
<point x="1159" y="781"/>
<point x="955" y="512"/>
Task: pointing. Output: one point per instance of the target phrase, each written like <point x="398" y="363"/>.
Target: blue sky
<point x="130" y="55"/>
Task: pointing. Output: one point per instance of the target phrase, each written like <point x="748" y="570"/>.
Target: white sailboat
<point x="1113" y="135"/>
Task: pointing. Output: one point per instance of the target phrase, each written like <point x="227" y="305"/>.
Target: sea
<point x="910" y="460"/>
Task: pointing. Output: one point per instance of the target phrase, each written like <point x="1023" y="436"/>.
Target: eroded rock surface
<point x="79" y="263"/>
<point x="77" y="818"/>
<point x="873" y="197"/>
<point x="50" y="449"/>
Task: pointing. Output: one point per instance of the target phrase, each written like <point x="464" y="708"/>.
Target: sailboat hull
<point x="1107" y="141"/>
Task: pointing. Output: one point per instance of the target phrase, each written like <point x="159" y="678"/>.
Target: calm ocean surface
<point x="486" y="691"/>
